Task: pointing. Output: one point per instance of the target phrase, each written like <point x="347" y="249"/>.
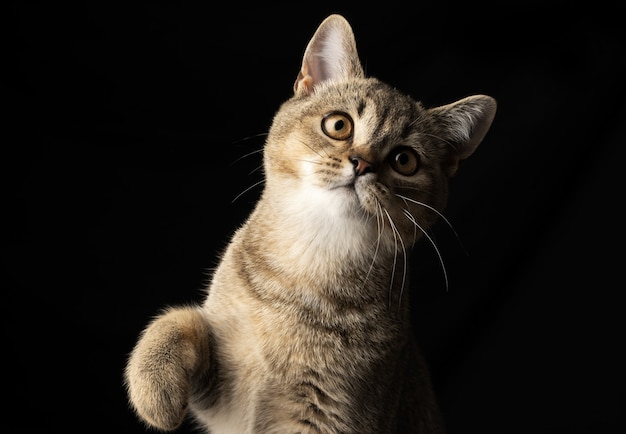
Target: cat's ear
<point x="330" y="55"/>
<point x="465" y="123"/>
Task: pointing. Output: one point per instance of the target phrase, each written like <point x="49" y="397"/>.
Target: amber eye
<point x="404" y="160"/>
<point x="337" y="125"/>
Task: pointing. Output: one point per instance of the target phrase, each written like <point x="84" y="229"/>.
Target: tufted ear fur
<point x="464" y="124"/>
<point x="330" y="55"/>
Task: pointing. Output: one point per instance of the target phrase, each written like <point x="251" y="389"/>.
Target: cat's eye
<point x="337" y="125"/>
<point x="404" y="160"/>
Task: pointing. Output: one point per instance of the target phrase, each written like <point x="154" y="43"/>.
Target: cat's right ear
<point x="330" y="55"/>
<point x="464" y="125"/>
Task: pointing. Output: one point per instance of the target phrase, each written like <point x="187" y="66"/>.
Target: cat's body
<point x="306" y="326"/>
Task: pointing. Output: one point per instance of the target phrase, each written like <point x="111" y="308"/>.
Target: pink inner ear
<point x="307" y="84"/>
<point x="315" y="68"/>
<point x="330" y="55"/>
<point x="304" y="82"/>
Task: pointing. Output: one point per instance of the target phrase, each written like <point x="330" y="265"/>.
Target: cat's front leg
<point x="171" y="355"/>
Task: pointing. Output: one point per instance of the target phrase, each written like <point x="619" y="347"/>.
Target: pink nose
<point x="361" y="166"/>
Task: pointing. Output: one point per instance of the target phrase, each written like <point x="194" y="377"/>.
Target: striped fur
<point x="305" y="327"/>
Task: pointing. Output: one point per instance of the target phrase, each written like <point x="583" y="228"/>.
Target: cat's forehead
<point x="376" y="108"/>
<point x="365" y="95"/>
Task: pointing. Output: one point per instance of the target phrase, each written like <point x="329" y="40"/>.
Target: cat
<point x="306" y="327"/>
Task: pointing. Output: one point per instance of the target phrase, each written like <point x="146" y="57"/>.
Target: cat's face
<point x="362" y="152"/>
<point x="350" y="158"/>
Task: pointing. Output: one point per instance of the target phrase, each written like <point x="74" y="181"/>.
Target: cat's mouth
<point x="355" y="182"/>
<point x="349" y="186"/>
<point x="365" y="191"/>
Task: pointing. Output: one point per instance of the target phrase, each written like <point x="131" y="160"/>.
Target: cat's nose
<point x="361" y="166"/>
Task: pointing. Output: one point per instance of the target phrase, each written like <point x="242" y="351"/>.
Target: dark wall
<point x="132" y="128"/>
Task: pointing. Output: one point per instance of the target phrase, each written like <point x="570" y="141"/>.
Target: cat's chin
<point x="343" y="200"/>
<point x="370" y="194"/>
<point x="326" y="205"/>
<point x="360" y="197"/>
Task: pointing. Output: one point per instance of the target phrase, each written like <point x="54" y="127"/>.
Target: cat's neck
<point x="322" y="249"/>
<point x="313" y="233"/>
<point x="327" y="268"/>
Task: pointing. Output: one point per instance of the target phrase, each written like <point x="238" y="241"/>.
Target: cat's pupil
<point x="337" y="125"/>
<point x="405" y="161"/>
<point x="402" y="159"/>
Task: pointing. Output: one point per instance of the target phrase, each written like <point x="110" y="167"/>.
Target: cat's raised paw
<point x="171" y="351"/>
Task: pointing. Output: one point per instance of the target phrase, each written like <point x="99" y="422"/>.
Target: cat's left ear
<point x="330" y="55"/>
<point x="465" y="124"/>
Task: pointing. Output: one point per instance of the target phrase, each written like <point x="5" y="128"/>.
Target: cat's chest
<point x="305" y="338"/>
<point x="315" y="370"/>
<point x="303" y="335"/>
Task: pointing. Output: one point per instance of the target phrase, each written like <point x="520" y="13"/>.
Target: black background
<point x="133" y="127"/>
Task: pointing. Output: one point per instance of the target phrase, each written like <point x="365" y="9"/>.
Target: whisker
<point x="247" y="189"/>
<point x="378" y="237"/>
<point x="393" y="269"/>
<point x="395" y="256"/>
<point x="314" y="150"/>
<point x="309" y="161"/>
<point x="258" y="151"/>
<point x="256" y="169"/>
<point x="432" y="242"/>
<point x="417" y="202"/>
<point x="254" y="136"/>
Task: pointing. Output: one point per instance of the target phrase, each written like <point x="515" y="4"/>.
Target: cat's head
<point x="355" y="150"/>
